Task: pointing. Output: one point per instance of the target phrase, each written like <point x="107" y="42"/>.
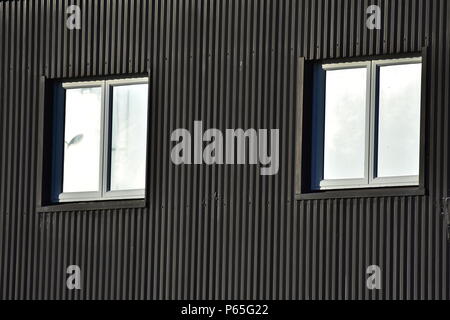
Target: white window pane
<point x="399" y="120"/>
<point x="345" y="124"/>
<point x="82" y="140"/>
<point x="128" y="137"/>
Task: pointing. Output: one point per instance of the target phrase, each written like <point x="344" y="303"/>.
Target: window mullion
<point x="371" y="121"/>
<point x="104" y="139"/>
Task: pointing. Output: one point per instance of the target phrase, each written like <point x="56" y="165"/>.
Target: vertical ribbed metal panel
<point x="217" y="231"/>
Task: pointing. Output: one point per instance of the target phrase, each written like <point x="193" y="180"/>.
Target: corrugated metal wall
<point x="217" y="231"/>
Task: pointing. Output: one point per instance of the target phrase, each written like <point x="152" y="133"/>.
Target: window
<point x="100" y="138"/>
<point x="366" y="124"/>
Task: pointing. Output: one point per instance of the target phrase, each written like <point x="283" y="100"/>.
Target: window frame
<point x="105" y="137"/>
<point x="370" y="180"/>
<point x="304" y="160"/>
<point x="398" y="180"/>
<point x="331" y="184"/>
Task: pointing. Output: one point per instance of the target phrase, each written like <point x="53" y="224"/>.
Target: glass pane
<point x="128" y="137"/>
<point x="345" y="123"/>
<point x="399" y="120"/>
<point x="82" y="140"/>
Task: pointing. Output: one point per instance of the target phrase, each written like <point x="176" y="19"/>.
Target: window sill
<point x="362" y="193"/>
<point x="93" y="205"/>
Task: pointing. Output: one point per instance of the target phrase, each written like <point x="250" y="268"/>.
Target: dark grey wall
<point x="217" y="231"/>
